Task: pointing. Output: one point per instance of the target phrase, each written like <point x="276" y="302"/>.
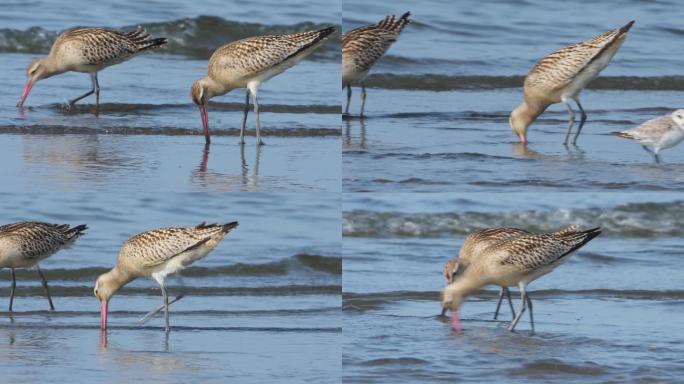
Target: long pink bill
<point x="25" y="93"/>
<point x="205" y="123"/>
<point x="455" y="321"/>
<point x="103" y="316"/>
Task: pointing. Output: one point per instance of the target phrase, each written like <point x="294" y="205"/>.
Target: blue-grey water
<point x="612" y="313"/>
<point x="438" y="103"/>
<point x="148" y="134"/>
<point x="263" y="306"/>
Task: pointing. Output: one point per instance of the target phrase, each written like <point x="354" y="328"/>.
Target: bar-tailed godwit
<point x="157" y="254"/>
<point x="88" y="50"/>
<point x="657" y="134"/>
<point x="477" y="242"/>
<point x="25" y="244"/>
<point x="363" y="47"/>
<point x="249" y="62"/>
<point x="518" y="260"/>
<point x="561" y="76"/>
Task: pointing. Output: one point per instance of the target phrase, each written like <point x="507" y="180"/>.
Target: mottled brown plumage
<point x="562" y="75"/>
<point x="508" y="257"/>
<point x="363" y="47"/>
<point x="88" y="50"/>
<point x="249" y="62"/>
<point x="25" y="244"/>
<point x="158" y="253"/>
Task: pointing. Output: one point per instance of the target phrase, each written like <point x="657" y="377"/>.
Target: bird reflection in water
<point x="208" y="178"/>
<point x="347" y="142"/>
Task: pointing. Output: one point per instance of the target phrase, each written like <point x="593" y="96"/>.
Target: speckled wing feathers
<point x="101" y="46"/>
<point x="251" y="56"/>
<point x="154" y="247"/>
<point x="561" y="67"/>
<point x="38" y="240"/>
<point x="365" y="45"/>
<point x="535" y="251"/>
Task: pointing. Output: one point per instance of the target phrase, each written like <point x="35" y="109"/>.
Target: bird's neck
<point x="119" y="276"/>
<point x="531" y="109"/>
<point x="214" y="88"/>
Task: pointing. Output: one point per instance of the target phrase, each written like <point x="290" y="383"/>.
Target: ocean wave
<point x="195" y="37"/>
<point x="434" y="82"/>
<point x="628" y="220"/>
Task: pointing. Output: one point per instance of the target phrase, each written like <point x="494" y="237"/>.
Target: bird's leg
<point x="647" y="149"/>
<point x="656" y="157"/>
<point x="571" y="121"/>
<point x="583" y="119"/>
<point x="244" y="117"/>
<point x="349" y="93"/>
<point x="96" y="86"/>
<point x="363" y="98"/>
<point x="522" y="308"/>
<point x="253" y="88"/>
<point x="529" y="304"/>
<point x="45" y="287"/>
<point x="167" y="328"/>
<point x="498" y="305"/>
<point x="93" y="79"/>
<point x="510" y="302"/>
<point x="12" y="287"/>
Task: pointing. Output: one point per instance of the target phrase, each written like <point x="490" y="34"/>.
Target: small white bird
<point x="656" y="134"/>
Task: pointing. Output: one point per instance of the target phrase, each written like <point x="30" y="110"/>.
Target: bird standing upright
<point x="657" y="134"/>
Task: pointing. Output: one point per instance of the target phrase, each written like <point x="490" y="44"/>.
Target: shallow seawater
<point x="263" y="306"/>
<point x="601" y="317"/>
<point x="146" y="100"/>
<point x="438" y="104"/>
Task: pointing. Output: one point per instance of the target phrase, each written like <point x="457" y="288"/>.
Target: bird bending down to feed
<point x="157" y="254"/>
<point x="25" y="244"/>
<point x="363" y="47"/>
<point x="88" y="50"/>
<point x="517" y="259"/>
<point x="561" y="76"/>
<point x="657" y="134"/>
<point x="249" y="62"/>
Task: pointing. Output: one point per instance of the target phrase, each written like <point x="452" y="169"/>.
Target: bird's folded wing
<point x="158" y="246"/>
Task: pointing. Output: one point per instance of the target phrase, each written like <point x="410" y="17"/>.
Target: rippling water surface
<point x="148" y="96"/>
<point x="601" y="317"/>
<point x="438" y="104"/>
<point x="263" y="306"/>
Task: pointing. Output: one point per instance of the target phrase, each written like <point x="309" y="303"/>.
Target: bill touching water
<point x="593" y="315"/>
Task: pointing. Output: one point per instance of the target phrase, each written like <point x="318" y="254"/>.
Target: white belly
<point x="670" y="139"/>
<point x="178" y="263"/>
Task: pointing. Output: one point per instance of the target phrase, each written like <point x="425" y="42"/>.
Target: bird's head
<point x="678" y="117"/>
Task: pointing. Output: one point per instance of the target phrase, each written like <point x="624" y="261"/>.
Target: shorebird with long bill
<point x="25" y="244"/>
<point x="157" y="254"/>
<point x="561" y="76"/>
<point x="249" y="62"/>
<point x="363" y="47"/>
<point x="87" y="50"/>
<point x="518" y="260"/>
